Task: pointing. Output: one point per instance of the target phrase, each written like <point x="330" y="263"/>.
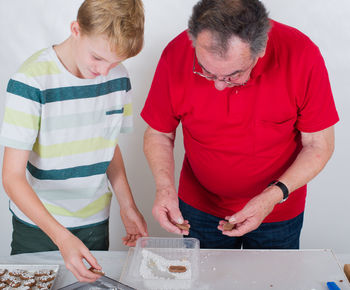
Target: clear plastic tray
<point x="170" y="251"/>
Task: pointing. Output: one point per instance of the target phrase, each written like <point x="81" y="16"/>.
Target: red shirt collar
<point x="268" y="61"/>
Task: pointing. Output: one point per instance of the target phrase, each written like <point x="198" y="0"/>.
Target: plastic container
<point x="152" y="257"/>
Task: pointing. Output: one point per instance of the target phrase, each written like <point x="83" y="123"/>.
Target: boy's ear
<point x="75" y="28"/>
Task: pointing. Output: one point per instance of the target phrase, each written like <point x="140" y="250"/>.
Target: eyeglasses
<point x="230" y="79"/>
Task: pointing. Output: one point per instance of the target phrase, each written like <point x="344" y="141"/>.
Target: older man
<point x="257" y="112"/>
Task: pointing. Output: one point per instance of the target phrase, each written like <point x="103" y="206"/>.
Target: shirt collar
<point x="269" y="60"/>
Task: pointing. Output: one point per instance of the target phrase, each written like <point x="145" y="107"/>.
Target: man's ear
<point x="75" y="29"/>
<point x="264" y="51"/>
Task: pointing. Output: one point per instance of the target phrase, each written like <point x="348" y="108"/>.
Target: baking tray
<point x="31" y="268"/>
<point x="102" y="283"/>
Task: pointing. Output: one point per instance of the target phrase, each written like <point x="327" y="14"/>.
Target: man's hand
<point x="135" y="225"/>
<point x="166" y="211"/>
<point x="73" y="252"/>
<point x="254" y="212"/>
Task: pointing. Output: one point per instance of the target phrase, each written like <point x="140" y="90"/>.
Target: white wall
<point x="27" y="26"/>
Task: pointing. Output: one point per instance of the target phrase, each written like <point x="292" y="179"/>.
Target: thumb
<point x="175" y="215"/>
<point x="92" y="260"/>
<point x="143" y="230"/>
<point x="238" y="217"/>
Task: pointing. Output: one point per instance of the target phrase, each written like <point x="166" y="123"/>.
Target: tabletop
<point x="223" y="269"/>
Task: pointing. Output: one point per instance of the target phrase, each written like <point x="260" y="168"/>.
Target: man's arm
<point x="159" y="151"/>
<point x="21" y="193"/>
<point x="317" y="149"/>
<point x="133" y="220"/>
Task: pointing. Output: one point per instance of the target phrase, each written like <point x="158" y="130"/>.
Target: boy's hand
<point x="135" y="225"/>
<point x="73" y="252"/>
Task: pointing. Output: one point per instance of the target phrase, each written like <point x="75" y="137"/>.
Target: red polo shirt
<point x="240" y="139"/>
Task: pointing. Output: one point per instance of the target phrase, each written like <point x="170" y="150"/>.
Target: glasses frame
<point x="214" y="77"/>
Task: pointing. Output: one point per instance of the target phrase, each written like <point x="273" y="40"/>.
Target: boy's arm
<point x="21" y="193"/>
<point x="134" y="223"/>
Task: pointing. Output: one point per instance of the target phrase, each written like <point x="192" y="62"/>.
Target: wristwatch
<point x="283" y="187"/>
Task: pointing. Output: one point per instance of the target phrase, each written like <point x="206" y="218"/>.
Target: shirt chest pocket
<point x="274" y="135"/>
<point x="113" y="119"/>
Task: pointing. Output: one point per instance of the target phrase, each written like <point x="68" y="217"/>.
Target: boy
<point x="65" y="108"/>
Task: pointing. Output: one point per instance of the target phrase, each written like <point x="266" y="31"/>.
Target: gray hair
<point x="225" y="19"/>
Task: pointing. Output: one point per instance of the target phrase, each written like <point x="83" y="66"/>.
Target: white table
<point x="225" y="269"/>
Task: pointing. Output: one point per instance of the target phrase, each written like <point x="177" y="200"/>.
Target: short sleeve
<point x="316" y="107"/>
<point x="158" y="110"/>
<point x="22" y="115"/>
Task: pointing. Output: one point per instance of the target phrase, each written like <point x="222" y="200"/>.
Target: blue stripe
<point x="90" y="91"/>
<point x="74" y="172"/>
<point x="121" y="111"/>
<point x="25" y="91"/>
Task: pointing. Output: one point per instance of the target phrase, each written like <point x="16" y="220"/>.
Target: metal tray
<point x="31" y="268"/>
<point x="102" y="283"/>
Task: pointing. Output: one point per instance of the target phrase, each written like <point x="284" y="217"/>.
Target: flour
<point x="154" y="269"/>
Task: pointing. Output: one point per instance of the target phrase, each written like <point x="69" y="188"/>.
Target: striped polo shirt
<point x="71" y="126"/>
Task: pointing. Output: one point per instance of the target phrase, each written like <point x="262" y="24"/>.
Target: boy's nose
<point x="104" y="70"/>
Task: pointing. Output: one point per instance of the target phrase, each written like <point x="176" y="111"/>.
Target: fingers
<point x="73" y="252"/>
<point x="162" y="217"/>
<point x="166" y="211"/>
<point x="184" y="227"/>
<point x="175" y="215"/>
<point x="92" y="260"/>
<point x="130" y="239"/>
<point x="80" y="271"/>
<point x="241" y="229"/>
<point x="142" y="227"/>
<point x="176" y="218"/>
<point x="237" y="229"/>
<point x="236" y="225"/>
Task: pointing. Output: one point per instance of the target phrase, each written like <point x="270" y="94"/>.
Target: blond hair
<point x="122" y="21"/>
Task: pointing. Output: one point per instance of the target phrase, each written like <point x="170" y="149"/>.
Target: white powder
<point x="154" y="269"/>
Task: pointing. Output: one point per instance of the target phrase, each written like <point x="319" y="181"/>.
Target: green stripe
<point x="90" y="210"/>
<point x="74" y="147"/>
<point x="112" y="112"/>
<point x="25" y="91"/>
<point x="83" y="92"/>
<point x="73" y="172"/>
<point x="21" y="119"/>
<point x="67" y="93"/>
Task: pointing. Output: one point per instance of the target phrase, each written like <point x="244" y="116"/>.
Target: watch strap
<point x="283" y="187"/>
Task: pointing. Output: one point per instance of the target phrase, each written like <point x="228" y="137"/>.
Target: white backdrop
<point x="27" y="26"/>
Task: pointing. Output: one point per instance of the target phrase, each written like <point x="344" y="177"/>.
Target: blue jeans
<point x="276" y="235"/>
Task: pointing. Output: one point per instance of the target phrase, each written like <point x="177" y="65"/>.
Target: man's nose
<point x="220" y="84"/>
